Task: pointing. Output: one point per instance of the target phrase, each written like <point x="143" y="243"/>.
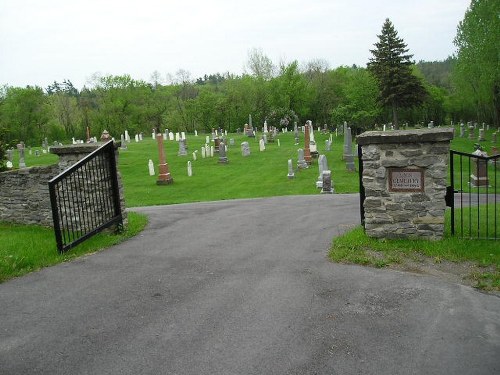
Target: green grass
<point x="27" y="248"/>
<point x="356" y="247"/>
<point x="262" y="174"/>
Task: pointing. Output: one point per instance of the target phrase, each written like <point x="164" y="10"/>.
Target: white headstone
<point x="211" y="151"/>
<point x="151" y="168"/>
<point x="245" y="149"/>
<point x="177" y="137"/>
<point x="291" y="174"/>
<point x="207" y="139"/>
<point x="165" y="136"/>
<point x="183" y="135"/>
<point x="203" y="152"/>
<point x="196" y="133"/>
<point x="171" y="136"/>
<point x="137" y="137"/>
<point x="190" y="169"/>
<point x="262" y="145"/>
<point x="127" y="136"/>
<point x="194" y="155"/>
<point x="153" y="135"/>
<point x="279" y="145"/>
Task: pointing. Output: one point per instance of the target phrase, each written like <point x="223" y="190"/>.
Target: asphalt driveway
<point x="242" y="287"/>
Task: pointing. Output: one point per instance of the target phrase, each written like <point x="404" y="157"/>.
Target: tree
<point x="260" y="65"/>
<point x="477" y="72"/>
<point x="391" y="66"/>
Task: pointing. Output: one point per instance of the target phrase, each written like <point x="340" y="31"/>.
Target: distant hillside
<point x="437" y="72"/>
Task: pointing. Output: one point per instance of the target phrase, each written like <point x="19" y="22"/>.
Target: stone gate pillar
<point x="405" y="178"/>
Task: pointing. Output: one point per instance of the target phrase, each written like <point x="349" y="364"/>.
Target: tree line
<point x="464" y="87"/>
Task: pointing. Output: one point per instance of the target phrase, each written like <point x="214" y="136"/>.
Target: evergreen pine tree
<point x="391" y="66"/>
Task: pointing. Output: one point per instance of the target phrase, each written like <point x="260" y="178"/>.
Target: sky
<point x="42" y="41"/>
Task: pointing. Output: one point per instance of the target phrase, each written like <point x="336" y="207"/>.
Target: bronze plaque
<point x="406" y="180"/>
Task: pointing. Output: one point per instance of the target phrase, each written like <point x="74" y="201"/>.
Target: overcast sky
<point x="46" y="40"/>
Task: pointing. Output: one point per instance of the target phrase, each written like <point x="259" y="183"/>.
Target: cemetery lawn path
<point x="242" y="287"/>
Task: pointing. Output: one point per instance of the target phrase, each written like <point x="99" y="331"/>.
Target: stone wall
<point x="412" y="207"/>
<point x="24" y="193"/>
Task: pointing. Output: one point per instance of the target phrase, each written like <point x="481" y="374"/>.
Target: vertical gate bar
<point x="90" y="195"/>
<point x="55" y="216"/>
<point x="114" y="179"/>
<point x="98" y="168"/>
<point x="452" y="183"/>
<point x="108" y="209"/>
<point x="361" y="187"/>
<point x="63" y="198"/>
<point x="87" y="194"/>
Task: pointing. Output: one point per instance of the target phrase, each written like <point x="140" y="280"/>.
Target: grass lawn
<point x="482" y="257"/>
<point x="27" y="248"/>
<point x="262" y="174"/>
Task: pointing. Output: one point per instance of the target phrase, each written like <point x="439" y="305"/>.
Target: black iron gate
<point x="474" y="195"/>
<point x="85" y="198"/>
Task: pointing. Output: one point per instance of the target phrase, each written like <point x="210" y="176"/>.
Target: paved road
<point x="242" y="287"/>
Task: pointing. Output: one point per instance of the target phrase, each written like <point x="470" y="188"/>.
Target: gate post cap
<point x="406" y="136"/>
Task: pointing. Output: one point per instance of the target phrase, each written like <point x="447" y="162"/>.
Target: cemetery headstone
<point x="189" y="169"/>
<point x="301" y="161"/>
<point x="307" y="146"/>
<point x="328" y="145"/>
<point x="349" y="157"/>
<point x="171" y="136"/>
<point x="164" y="177"/>
<point x="203" y="152"/>
<point x="216" y="144"/>
<point x="481" y="135"/>
<point x="183" y="135"/>
<point x="151" y="168"/>
<point x="123" y="143"/>
<point x="480" y="175"/>
<point x="222" y="154"/>
<point x="211" y="151"/>
<point x="462" y="130"/>
<point x="291" y="174"/>
<point x="262" y="145"/>
<point x="177" y="136"/>
<point x="137" y="137"/>
<point x="182" y="148"/>
<point x="327" y="182"/>
<point x="20" y="149"/>
<point x="245" y="149"/>
<point x="279" y="145"/>
<point x="194" y="155"/>
<point x="231" y="141"/>
<point x="140" y="136"/>
<point x="127" y="136"/>
<point x="471" y="132"/>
